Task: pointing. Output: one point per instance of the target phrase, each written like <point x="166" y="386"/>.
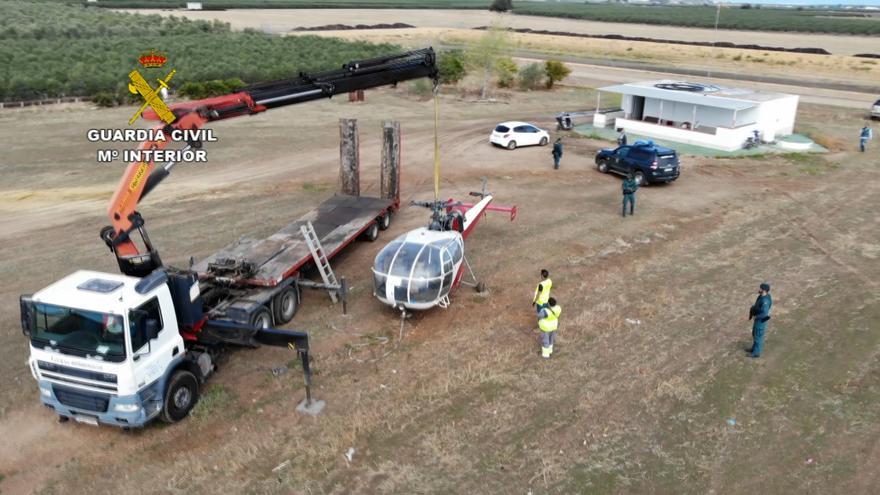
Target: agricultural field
<point x="63" y="51"/>
<point x="282" y="21"/>
<point x="732" y="17"/>
<point x="649" y="389"/>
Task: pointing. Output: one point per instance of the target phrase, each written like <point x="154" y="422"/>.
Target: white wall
<point x="776" y="117"/>
<point x="723" y="139"/>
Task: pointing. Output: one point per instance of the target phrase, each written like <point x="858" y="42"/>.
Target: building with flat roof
<point x="700" y="114"/>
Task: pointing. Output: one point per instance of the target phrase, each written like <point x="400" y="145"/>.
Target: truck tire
<point x="285" y="304"/>
<point x="372" y="232"/>
<point x="181" y="395"/>
<point x="261" y="318"/>
<point x="602" y="165"/>
<point x="385" y="221"/>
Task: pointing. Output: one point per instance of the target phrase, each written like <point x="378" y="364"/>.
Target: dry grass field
<point x="464" y="404"/>
<point x="284" y="20"/>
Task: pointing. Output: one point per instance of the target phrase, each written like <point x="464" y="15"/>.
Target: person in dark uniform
<point x="760" y="312"/>
<point x="629" y="193"/>
<point x="557" y="152"/>
<point x="621" y="138"/>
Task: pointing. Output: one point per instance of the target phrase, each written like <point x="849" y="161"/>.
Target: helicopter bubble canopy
<point x="417" y="270"/>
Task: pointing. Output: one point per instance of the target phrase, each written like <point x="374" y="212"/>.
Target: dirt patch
<point x="344" y="27"/>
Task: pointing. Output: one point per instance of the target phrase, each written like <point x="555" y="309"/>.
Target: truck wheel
<point x="385" y="221"/>
<point x="511" y="145"/>
<point x="602" y="165"/>
<point x="372" y="232"/>
<point x="261" y="318"/>
<point x="285" y="304"/>
<point x="640" y="178"/>
<point x="181" y="396"/>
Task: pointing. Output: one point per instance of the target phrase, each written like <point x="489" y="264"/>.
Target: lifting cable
<point x="436" y="141"/>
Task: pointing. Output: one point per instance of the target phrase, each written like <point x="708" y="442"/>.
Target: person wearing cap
<point x="630" y="186"/>
<point x="760" y="312"/>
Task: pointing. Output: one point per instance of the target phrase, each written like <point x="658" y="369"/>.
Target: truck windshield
<point x="78" y="332"/>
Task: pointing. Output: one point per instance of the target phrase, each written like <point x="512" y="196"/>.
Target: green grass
<point x="216" y="399"/>
<point x="66" y="50"/>
<point x="765" y="19"/>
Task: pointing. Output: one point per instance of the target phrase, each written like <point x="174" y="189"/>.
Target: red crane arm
<point x="141" y="177"/>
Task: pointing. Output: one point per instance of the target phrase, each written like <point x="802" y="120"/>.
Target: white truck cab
<point x="104" y="348"/>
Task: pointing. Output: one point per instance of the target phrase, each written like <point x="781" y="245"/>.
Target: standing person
<point x="629" y="193"/>
<point x="864" y="136"/>
<point x="542" y="292"/>
<point x="548" y="322"/>
<point x="621" y="138"/>
<point x="760" y="312"/>
<point x="557" y="153"/>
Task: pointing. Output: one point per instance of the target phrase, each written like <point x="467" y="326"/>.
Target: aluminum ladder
<point x="321" y="261"/>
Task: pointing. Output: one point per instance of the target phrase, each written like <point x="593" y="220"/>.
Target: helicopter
<point x="419" y="269"/>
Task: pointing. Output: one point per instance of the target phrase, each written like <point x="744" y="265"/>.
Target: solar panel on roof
<point x="100" y="285"/>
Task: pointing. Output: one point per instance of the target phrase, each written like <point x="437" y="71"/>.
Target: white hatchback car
<point x="512" y="134"/>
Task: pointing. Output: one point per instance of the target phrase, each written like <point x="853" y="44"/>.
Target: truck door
<point x="152" y="354"/>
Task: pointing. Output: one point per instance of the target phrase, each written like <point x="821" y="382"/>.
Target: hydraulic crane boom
<point x="141" y="177"/>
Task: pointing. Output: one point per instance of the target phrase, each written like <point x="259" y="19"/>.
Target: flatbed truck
<point x="123" y="349"/>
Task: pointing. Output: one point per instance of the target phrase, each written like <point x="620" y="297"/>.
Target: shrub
<point x="555" y="71"/>
<point x="531" y="76"/>
<point x="506" y="69"/>
<point x="501" y="5"/>
<point x="105" y="99"/>
<point x="451" y="66"/>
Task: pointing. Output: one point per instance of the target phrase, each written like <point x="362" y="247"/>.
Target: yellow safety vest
<point x="542" y="292"/>
<point x="550" y="322"/>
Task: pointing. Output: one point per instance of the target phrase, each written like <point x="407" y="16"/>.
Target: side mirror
<point x="152" y="329"/>
<point x="27" y="314"/>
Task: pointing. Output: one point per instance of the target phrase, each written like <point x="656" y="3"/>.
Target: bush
<point x="531" y="76"/>
<point x="555" y="71"/>
<point x="501" y="5"/>
<point x="105" y="99"/>
<point x="421" y="88"/>
<point x="506" y="69"/>
<point x="451" y="66"/>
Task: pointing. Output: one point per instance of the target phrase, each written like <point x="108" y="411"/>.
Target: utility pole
<point x="715" y="42"/>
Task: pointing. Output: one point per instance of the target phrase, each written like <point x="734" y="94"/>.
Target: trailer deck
<point x="337" y="221"/>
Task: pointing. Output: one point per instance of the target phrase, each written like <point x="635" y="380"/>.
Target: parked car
<point x="875" y="110"/>
<point x="510" y="135"/>
<point x="648" y="162"/>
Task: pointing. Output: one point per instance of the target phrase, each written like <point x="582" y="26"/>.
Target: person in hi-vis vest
<point x="548" y="323"/>
<point x="542" y="291"/>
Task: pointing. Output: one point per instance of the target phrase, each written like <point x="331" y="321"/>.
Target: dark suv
<point x="648" y="162"/>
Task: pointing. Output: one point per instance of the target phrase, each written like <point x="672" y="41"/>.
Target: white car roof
<point x="69" y="292"/>
<point x="515" y="123"/>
